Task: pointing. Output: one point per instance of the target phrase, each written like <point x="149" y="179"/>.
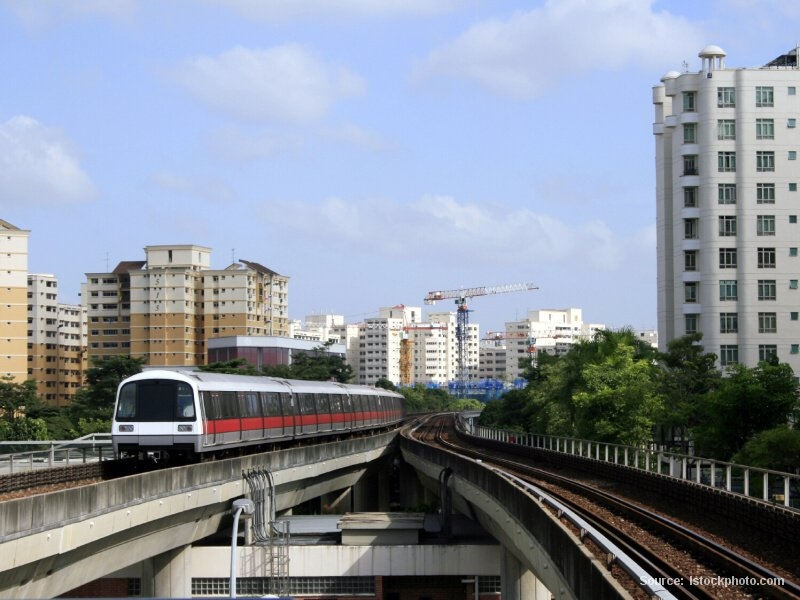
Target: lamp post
<point x="243" y="505"/>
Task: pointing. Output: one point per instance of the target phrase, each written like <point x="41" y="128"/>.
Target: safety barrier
<point x="776" y="487"/>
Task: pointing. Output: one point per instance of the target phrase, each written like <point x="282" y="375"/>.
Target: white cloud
<point x="530" y="52"/>
<point x="438" y="226"/>
<point x="282" y="10"/>
<point x="38" y="166"/>
<point x="286" y="83"/>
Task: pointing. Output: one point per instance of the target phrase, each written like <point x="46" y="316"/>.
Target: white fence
<point x="762" y="484"/>
<point x="16" y="456"/>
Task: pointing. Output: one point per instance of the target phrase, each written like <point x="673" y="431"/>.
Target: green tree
<point x="95" y="402"/>
<point x="19" y="410"/>
<point x="686" y="374"/>
<point x="777" y="449"/>
<point x="236" y="366"/>
<point x="747" y="401"/>
<point x="317" y="365"/>
<point x="385" y="384"/>
<point x="618" y="402"/>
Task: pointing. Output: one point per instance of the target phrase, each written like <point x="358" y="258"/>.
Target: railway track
<point x="684" y="562"/>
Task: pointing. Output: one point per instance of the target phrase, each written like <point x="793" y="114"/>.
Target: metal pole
<point x="239" y="506"/>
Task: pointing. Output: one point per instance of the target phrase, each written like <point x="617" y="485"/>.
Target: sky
<point x="370" y="150"/>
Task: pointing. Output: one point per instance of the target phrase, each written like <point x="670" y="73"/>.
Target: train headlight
<point x="184" y="428"/>
<point x="125" y="428"/>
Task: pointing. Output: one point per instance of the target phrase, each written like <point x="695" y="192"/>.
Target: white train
<point x="193" y="413"/>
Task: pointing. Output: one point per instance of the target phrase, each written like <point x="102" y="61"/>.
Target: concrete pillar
<point x="172" y="574"/>
<point x="517" y="582"/>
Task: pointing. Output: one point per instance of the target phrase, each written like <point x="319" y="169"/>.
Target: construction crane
<point x="462" y="320"/>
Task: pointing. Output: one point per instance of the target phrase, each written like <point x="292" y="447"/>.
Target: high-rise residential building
<point x="553" y="331"/>
<point x="165" y="308"/>
<point x="13" y="302"/>
<point x="728" y="235"/>
<point x="56" y="342"/>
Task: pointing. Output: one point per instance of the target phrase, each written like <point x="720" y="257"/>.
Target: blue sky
<point x="371" y="150"/>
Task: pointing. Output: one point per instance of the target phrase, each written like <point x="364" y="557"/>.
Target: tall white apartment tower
<point x="728" y="235"/>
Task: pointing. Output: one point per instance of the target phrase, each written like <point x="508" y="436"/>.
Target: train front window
<point x="156" y="400"/>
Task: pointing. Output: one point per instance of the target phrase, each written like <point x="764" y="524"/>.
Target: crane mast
<point x="462" y="321"/>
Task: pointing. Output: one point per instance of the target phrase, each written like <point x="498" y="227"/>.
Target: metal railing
<point x="16" y="456"/>
<point x="776" y="487"/>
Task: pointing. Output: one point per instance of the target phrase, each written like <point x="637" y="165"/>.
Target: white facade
<point x="727" y="208"/>
<point x="553" y="331"/>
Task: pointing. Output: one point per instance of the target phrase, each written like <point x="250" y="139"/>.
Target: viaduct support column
<point x="168" y="575"/>
<point x="517" y="583"/>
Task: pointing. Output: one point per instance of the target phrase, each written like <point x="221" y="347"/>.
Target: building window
<point x="690" y="324"/>
<point x="765" y="129"/>
<point x="727" y="258"/>
<point x="726" y="97"/>
<point x="690" y="164"/>
<point x="767" y="289"/>
<point x="791" y="123"/>
<point x="765" y="225"/>
<point x="793" y="284"/>
<point x="690" y="229"/>
<point x="794" y="315"/>
<point x="765" y="193"/>
<point x="792" y="187"/>
<point x="728" y="354"/>
<point x="728" y="322"/>
<point x="765" y="161"/>
<point x="726" y="162"/>
<point x="726" y="193"/>
<point x="690" y="260"/>
<point x="727" y="226"/>
<point x="767" y="352"/>
<point x="726" y="129"/>
<point x="793" y="251"/>
<point x="792" y="155"/>
<point x="766" y="258"/>
<point x="767" y="322"/>
<point x="727" y="290"/>
<point x="691" y="291"/>
<point x="689" y="101"/>
<point x="794" y="348"/>
<point x="690" y="133"/>
<point x="793" y="219"/>
<point x="765" y="95"/>
<point x="791" y="90"/>
<point x="690" y="197"/>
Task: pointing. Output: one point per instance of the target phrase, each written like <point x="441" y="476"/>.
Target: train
<point x="164" y="414"/>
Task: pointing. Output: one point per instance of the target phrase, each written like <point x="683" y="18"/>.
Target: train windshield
<point x="156" y="400"/>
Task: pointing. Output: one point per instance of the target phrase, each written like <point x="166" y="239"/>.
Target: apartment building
<point x="56" y="342"/>
<point x="726" y="144"/>
<point x="14" y="302"/>
<point x="165" y="308"/>
<point x="553" y="331"/>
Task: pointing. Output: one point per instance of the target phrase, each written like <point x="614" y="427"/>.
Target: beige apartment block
<point x="164" y="309"/>
<point x="56" y="342"/>
<point x="13" y="302"/>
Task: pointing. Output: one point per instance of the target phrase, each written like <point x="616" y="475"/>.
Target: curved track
<point x="709" y="569"/>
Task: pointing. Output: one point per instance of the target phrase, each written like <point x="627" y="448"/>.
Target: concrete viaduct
<point x="150" y="522"/>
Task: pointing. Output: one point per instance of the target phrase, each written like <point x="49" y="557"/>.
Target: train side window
<point x="227" y="405"/>
<point x="273" y="404"/>
<point x="250" y="404"/>
<point x="323" y="404"/>
<point x="209" y="405"/>
<point x="347" y="403"/>
<point x="336" y="403"/>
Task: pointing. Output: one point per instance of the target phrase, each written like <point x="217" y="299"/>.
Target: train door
<point x="324" y="417"/>
<point x="273" y="415"/>
<point x="252" y="418"/>
<point x="209" y="419"/>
